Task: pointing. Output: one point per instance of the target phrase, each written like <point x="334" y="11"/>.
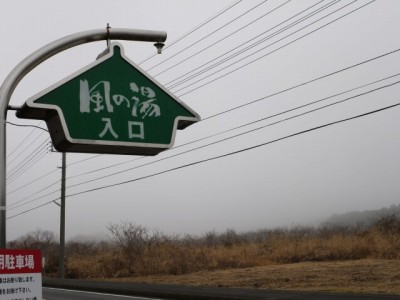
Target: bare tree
<point x="45" y="241"/>
<point x="133" y="240"/>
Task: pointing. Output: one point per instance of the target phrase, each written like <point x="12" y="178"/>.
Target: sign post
<point x="20" y="274"/>
<point x="33" y="60"/>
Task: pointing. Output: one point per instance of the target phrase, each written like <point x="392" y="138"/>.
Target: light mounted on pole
<point x="159" y="47"/>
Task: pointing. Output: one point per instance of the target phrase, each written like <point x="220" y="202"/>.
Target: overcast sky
<point x="259" y="58"/>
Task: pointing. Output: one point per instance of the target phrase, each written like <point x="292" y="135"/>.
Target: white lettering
<point x="140" y="125"/>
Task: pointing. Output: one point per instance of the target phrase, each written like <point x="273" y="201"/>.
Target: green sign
<point x="110" y="106"/>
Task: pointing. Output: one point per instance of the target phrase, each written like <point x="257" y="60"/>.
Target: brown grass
<point x="328" y="258"/>
<point x="372" y="276"/>
<point x="141" y="253"/>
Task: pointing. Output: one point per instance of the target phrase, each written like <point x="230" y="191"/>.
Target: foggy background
<point x="258" y="59"/>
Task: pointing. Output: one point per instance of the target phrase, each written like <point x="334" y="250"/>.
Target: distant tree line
<point x="134" y="250"/>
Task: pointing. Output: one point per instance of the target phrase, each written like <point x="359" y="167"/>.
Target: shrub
<point x="136" y="251"/>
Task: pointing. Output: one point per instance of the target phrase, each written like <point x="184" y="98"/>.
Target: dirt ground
<point x="370" y="276"/>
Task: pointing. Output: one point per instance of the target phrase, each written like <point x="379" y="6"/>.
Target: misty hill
<point x="362" y="218"/>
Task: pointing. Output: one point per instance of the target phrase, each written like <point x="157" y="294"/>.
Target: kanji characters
<point x="12" y="262"/>
<point x="99" y="99"/>
<point x="108" y="127"/>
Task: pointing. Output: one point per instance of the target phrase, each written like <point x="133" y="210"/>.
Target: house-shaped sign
<point x="110" y="106"/>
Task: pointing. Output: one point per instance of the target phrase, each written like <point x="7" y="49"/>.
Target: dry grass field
<point x="358" y="259"/>
<point x="370" y="276"/>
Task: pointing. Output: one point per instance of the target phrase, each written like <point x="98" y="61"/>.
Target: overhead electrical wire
<point x="249" y="131"/>
<point x="259" y="50"/>
<point x="35" y="159"/>
<point x="35" y="139"/>
<point x="337" y="19"/>
<point x="225" y="37"/>
<point x="262" y="99"/>
<point x="267" y="97"/>
<point x="302" y="84"/>
<point x="219" y="156"/>
<point x="214" y="44"/>
<point x="19" y="203"/>
<point x="13" y="205"/>
<point x="264" y="55"/>
<point x="251" y="46"/>
<point x="106" y="167"/>
<point x="14" y="150"/>
<point x="21" y="125"/>
<point x="366" y="4"/>
<point x="238" y="151"/>
<point x="83" y="160"/>
<point x="31" y="182"/>
<point x="27" y="164"/>
<point x="208" y="35"/>
<point x="292" y="109"/>
<point x="24" y="163"/>
<point x="43" y="145"/>
<point x="194" y="29"/>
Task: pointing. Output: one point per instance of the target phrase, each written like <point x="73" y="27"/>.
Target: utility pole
<point x="62" y="218"/>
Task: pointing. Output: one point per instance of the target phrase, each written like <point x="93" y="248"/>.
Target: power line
<point x="222" y="39"/>
<point x="33" y="181"/>
<point x="252" y="130"/>
<point x="194" y="29"/>
<point x="301" y="84"/>
<point x="49" y="173"/>
<point x="265" y="98"/>
<point x="23" y="162"/>
<point x="247" y="132"/>
<point x="206" y="36"/>
<point x="253" y="45"/>
<point x="32" y="209"/>
<point x="259" y="50"/>
<point x="238" y="151"/>
<point x="23" y="141"/>
<point x="277" y="93"/>
<point x="25" y="149"/>
<point x="21" y="125"/>
<point x="83" y="160"/>
<point x="284" y="91"/>
<point x="106" y="167"/>
<point x="219" y="156"/>
<point x="295" y="108"/>
<point x="23" y="165"/>
<point x="33" y="161"/>
<point x="240" y="67"/>
<point x="13" y="205"/>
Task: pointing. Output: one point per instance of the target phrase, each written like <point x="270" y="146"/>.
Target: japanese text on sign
<point x="99" y="98"/>
<point x="12" y="262"/>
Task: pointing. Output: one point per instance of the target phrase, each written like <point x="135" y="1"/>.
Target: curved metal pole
<point x="33" y="60"/>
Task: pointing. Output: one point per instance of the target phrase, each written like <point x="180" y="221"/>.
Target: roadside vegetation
<point x="133" y="250"/>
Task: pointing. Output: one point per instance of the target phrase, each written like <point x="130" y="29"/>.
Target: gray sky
<point x="353" y="165"/>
